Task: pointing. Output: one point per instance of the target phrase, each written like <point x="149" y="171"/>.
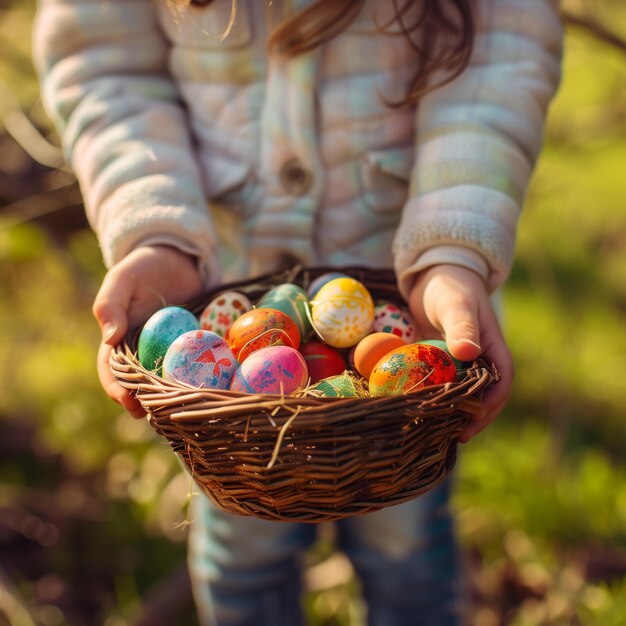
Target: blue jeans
<point x="246" y="571"/>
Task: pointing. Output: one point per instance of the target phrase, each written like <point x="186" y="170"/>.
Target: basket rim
<point x="154" y="392"/>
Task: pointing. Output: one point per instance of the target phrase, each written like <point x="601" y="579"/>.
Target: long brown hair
<point x="444" y="49"/>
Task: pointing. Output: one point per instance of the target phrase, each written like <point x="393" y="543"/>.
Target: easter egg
<point x="341" y="386"/>
<point x="220" y="313"/>
<point x="274" y="370"/>
<point x="390" y="318"/>
<point x="260" y="328"/>
<point x="342" y="312"/>
<point x="409" y="368"/>
<point x="159" y="332"/>
<point x="200" y="358"/>
<point x="440" y="343"/>
<point x="292" y="300"/>
<point x="321" y="280"/>
<point x="372" y="348"/>
<point x="322" y="360"/>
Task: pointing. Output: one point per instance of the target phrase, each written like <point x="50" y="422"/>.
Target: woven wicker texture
<point x="308" y="459"/>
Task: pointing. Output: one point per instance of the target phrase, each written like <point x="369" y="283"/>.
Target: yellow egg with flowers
<point x="342" y="312"/>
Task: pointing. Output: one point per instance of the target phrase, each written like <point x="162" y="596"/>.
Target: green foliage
<point x="560" y="500"/>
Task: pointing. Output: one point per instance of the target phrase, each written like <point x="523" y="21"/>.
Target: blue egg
<point x="292" y="300"/>
<point x="321" y="280"/>
<point x="159" y="332"/>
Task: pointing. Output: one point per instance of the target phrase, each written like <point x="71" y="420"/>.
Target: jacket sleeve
<point x="478" y="139"/>
<point x="105" y="85"/>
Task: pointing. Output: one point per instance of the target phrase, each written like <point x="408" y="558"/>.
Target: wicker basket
<point x="307" y="459"/>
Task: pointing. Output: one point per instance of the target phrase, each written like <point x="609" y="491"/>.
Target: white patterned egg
<point x="391" y="318"/>
<point x="220" y="313"/>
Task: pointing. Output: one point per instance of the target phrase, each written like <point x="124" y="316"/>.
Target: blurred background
<point x="94" y="509"/>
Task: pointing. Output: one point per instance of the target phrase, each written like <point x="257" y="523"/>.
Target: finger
<point x="111" y="386"/>
<point x="470" y="431"/>
<point x="458" y="319"/>
<point x="483" y="420"/>
<point x="497" y="397"/>
<point x="480" y="422"/>
<point x="110" y="307"/>
<point x="498" y="353"/>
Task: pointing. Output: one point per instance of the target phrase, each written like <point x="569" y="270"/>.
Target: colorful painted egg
<point x="409" y="368"/>
<point x="200" y="358"/>
<point x="275" y="370"/>
<point x="292" y="300"/>
<point x="159" y="332"/>
<point x="219" y="314"/>
<point x="260" y="328"/>
<point x="390" y="318"/>
<point x="372" y="348"/>
<point x="322" y="360"/>
<point x="321" y="280"/>
<point x="440" y="343"/>
<point x="342" y="312"/>
<point x="341" y="386"/>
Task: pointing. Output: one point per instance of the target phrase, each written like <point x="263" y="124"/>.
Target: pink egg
<point x="220" y="313"/>
<point x="390" y="318"/>
<point x="274" y="370"/>
<point x="200" y="358"/>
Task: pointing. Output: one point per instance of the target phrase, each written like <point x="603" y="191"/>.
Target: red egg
<point x="409" y="368"/>
<point x="322" y="360"/>
<point x="260" y="328"/>
<point x="372" y="348"/>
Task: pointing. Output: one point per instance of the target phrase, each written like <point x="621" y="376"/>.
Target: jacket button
<point x="294" y="178"/>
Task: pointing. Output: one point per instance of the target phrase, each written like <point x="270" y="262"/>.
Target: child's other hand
<point x="149" y="278"/>
<point x="453" y="302"/>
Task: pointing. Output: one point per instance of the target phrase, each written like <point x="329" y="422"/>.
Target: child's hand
<point x="148" y="279"/>
<point x="453" y="301"/>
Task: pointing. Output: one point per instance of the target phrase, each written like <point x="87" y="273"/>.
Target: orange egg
<point x="372" y="348"/>
<point x="409" y="368"/>
<point x="261" y="328"/>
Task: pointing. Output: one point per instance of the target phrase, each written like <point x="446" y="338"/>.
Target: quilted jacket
<point x="185" y="131"/>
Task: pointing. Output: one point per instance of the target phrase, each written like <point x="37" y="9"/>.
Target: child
<point x="218" y="139"/>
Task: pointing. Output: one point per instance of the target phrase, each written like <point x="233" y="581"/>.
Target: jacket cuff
<point x="442" y="255"/>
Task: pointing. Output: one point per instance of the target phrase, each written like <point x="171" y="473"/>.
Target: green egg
<point x="292" y="300"/>
<point x="341" y="386"/>
<point x="159" y="332"/>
